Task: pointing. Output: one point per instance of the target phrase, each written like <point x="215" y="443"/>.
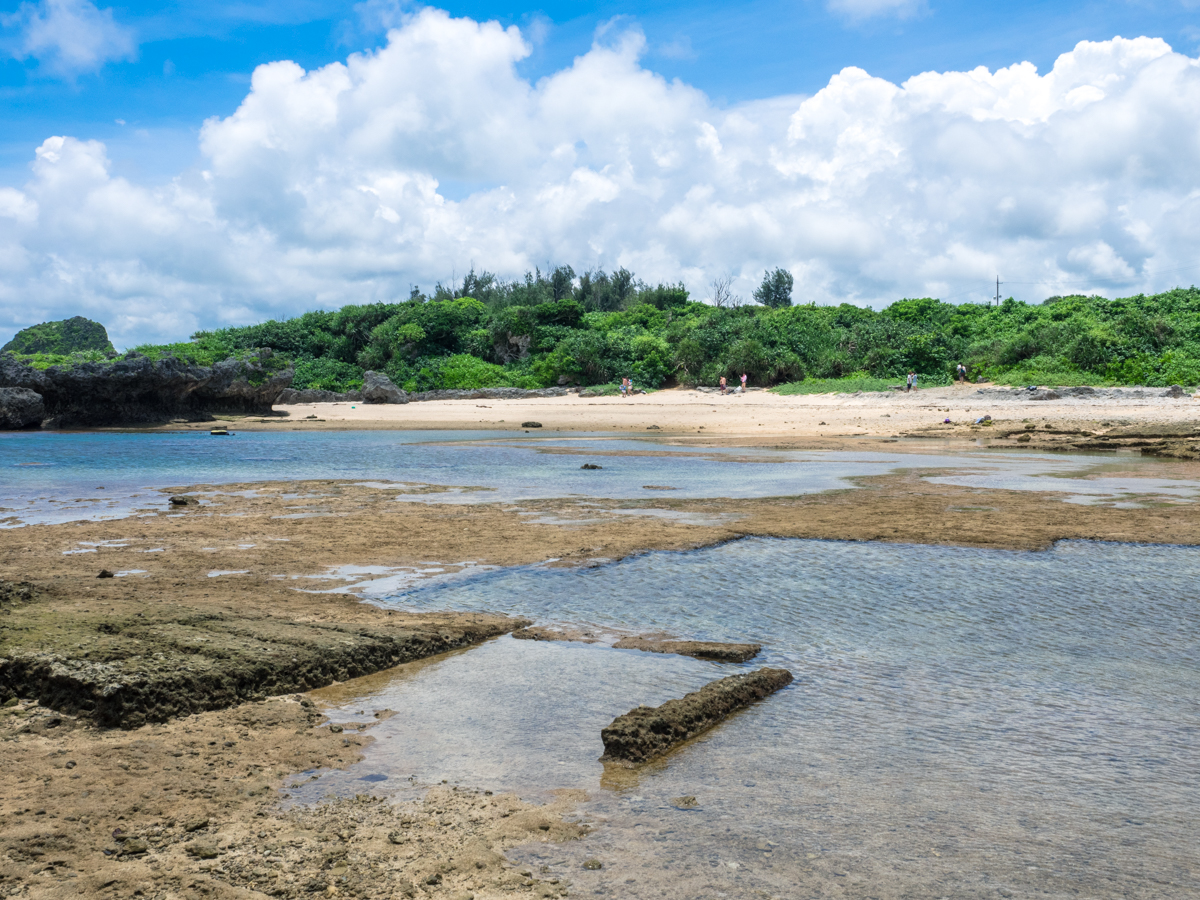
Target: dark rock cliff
<point x="137" y="389"/>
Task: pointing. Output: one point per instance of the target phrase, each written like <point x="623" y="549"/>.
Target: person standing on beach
<point x="722" y="384"/>
<point x="961" y="373"/>
<point x="624" y="387"/>
<point x="743" y="382"/>
<point x="908" y="382"/>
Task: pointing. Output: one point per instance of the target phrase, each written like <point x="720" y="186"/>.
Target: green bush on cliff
<point x="62" y="338"/>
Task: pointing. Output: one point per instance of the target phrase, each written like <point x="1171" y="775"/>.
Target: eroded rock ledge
<point x="712" y="650"/>
<point x="137" y="389"/>
<point x="649" y="731"/>
<point x="129" y="670"/>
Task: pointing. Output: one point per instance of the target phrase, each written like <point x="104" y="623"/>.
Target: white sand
<point x="755" y="413"/>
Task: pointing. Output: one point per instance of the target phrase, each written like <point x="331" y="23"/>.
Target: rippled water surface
<point x="61" y="477"/>
<point x="964" y="722"/>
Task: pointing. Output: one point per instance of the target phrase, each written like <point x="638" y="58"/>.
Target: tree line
<point x="560" y="327"/>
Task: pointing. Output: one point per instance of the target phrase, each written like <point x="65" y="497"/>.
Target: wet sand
<point x="229" y="765"/>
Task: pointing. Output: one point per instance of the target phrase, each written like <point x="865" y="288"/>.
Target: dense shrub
<point x="595" y="328"/>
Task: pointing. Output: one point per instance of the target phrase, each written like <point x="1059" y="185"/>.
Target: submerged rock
<point x="649" y="731"/>
<point x="714" y="650"/>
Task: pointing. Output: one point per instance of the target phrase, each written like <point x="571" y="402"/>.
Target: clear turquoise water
<point x="59" y="477"/>
<point x="1032" y="718"/>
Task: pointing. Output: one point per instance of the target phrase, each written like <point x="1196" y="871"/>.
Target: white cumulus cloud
<point x="409" y="164"/>
<point x="67" y="36"/>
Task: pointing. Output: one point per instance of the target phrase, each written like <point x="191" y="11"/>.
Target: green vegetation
<point x="857" y="381"/>
<point x="594" y="329"/>
<point x="62" y="339"/>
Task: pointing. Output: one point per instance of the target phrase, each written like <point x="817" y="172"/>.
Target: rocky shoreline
<point x="137" y="390"/>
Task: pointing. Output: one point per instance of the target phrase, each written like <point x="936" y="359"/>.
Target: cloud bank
<point x="68" y="36"/>
<point x="406" y="165"/>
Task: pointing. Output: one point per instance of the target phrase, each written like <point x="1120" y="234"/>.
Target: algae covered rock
<point x="650" y="731"/>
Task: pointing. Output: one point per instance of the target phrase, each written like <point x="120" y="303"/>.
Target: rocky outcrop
<point x="713" y="650"/>
<point x="131" y="671"/>
<point x="650" y="731"/>
<point x="1083" y="392"/>
<point x="62" y="337"/>
<point x="20" y="408"/>
<point x="136" y="389"/>
<point x="378" y="388"/>
<point x="503" y="393"/>
<point x="293" y="397"/>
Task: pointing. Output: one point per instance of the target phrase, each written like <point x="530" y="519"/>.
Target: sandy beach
<point x="753" y="415"/>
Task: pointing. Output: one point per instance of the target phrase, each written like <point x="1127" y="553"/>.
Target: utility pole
<point x="998" y="290"/>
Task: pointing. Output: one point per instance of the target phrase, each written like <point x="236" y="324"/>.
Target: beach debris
<point x="649" y="731"/>
<point x="983" y="420"/>
<point x="592" y="466"/>
<point x="712" y="650"/>
<point x="945" y="421"/>
<point x="104" y="573"/>
<point x="531" y="424"/>
<point x="182" y="500"/>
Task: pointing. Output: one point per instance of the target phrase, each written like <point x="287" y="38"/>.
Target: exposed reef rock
<point x="124" y="671"/>
<point x="136" y="389"/>
<point x="500" y="393"/>
<point x="20" y="408"/>
<point x="649" y="731"/>
<point x="713" y="650"/>
<point x="293" y="397"/>
<point x="378" y="388"/>
<point x="545" y="633"/>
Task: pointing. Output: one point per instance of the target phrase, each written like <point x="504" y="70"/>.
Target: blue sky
<point x="193" y="60"/>
<point x="164" y="168"/>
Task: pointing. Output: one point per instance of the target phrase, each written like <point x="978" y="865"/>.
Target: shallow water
<point x="964" y="722"/>
<point x="61" y="477"/>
